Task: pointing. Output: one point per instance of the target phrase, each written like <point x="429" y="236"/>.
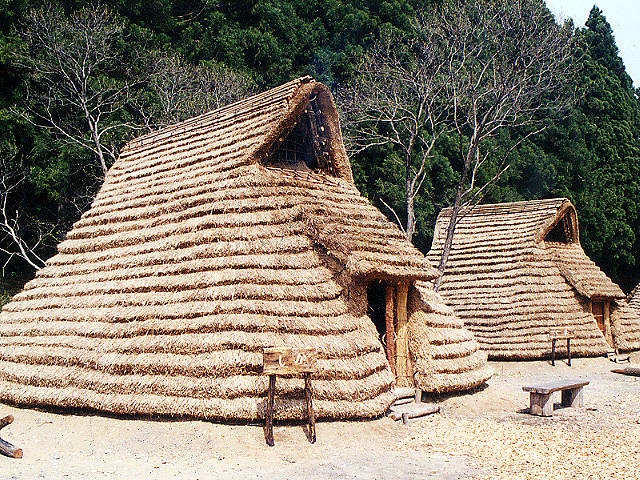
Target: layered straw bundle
<point x="517" y="271"/>
<point x="626" y="322"/>
<point x="198" y="252"/>
<point x="445" y="355"/>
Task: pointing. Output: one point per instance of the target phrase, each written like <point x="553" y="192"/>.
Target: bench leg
<point x="572" y="397"/>
<point x="418" y="396"/>
<point x="541" y="404"/>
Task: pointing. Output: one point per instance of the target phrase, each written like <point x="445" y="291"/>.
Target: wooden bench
<point x="541" y="403"/>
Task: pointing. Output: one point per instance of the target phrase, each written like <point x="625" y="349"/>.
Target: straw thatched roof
<point x="210" y="240"/>
<point x="517" y="271"/>
<point x="626" y="322"/>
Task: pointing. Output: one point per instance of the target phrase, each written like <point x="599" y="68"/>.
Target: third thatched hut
<point x="626" y="322"/>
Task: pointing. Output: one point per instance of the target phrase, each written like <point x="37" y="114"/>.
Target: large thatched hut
<point x="626" y="322"/>
<point x="517" y="273"/>
<point x="215" y="238"/>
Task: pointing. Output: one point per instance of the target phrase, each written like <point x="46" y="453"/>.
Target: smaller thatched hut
<point x="626" y="322"/>
<point x="517" y="271"/>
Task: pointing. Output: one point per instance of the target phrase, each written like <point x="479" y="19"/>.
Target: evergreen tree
<point x="597" y="155"/>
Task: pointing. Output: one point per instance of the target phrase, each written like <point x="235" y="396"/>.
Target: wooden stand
<point x="5" y="447"/>
<point x="278" y="361"/>
<point x="271" y="393"/>
<point x="308" y="395"/>
<point x="555" y="336"/>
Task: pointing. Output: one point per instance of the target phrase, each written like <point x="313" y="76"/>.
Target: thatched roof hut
<point x="517" y="272"/>
<point x="213" y="239"/>
<point x="626" y="322"/>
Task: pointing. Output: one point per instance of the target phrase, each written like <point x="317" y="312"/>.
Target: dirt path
<point x="486" y="435"/>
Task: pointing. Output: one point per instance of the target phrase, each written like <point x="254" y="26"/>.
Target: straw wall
<point x="445" y="356"/>
<point x="626" y="322"/>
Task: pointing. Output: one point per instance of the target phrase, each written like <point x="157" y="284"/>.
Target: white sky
<point x="622" y="15"/>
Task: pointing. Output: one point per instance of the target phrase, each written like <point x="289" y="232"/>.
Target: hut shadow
<point x="89" y="412"/>
<point x="428" y="397"/>
<point x="308" y="431"/>
<point x="564" y="361"/>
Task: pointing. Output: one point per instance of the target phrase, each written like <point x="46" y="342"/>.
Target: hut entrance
<point x="387" y="308"/>
<point x="376" y="306"/>
<point x="598" y="311"/>
<point x="601" y="310"/>
<point x="381" y="310"/>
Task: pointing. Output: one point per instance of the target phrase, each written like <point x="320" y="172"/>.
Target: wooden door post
<point x="404" y="377"/>
<point x="390" y="315"/>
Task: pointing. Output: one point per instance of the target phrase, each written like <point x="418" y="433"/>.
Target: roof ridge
<point x="197" y="121"/>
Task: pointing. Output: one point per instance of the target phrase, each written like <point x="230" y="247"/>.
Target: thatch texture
<point x="205" y="245"/>
<point x="516" y="271"/>
<point x="445" y="355"/>
<point x="626" y="322"/>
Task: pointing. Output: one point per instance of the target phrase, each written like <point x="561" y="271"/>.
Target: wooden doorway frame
<point x="390" y="317"/>
<point x="606" y="317"/>
<point x="404" y="375"/>
<point x="396" y="331"/>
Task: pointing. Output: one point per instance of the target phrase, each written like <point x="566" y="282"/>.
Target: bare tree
<point x="175" y="89"/>
<point x="397" y="98"/>
<point x="15" y="240"/>
<point x="79" y="89"/>
<point x="509" y="67"/>
<point x="479" y="67"/>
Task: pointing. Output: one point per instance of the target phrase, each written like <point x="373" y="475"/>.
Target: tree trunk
<point x="410" y="201"/>
<point x="411" y="219"/>
<point x="448" y="241"/>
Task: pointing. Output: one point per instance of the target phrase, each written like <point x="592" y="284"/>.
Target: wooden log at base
<point x="635" y="371"/>
<point x="6" y="421"/>
<point x="414" y="411"/>
<point x="5" y="447"/>
<point x="404" y="392"/>
<point x="419" y="412"/>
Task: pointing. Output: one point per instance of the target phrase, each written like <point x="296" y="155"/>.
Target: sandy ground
<point x="486" y="435"/>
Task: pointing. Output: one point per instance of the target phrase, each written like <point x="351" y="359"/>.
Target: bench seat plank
<point x="550" y="387"/>
<point x="540" y="395"/>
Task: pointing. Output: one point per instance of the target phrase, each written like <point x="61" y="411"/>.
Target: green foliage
<point x="592" y="156"/>
<point x="596" y="154"/>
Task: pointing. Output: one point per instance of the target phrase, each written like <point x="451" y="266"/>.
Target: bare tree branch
<point x="80" y="85"/>
<point x="470" y="70"/>
<point x="176" y="90"/>
<point x="13" y="241"/>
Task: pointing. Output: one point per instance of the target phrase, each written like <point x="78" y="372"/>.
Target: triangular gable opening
<point x="565" y="231"/>
<point x="307" y="146"/>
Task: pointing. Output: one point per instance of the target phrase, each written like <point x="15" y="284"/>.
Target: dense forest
<point x="77" y="81"/>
